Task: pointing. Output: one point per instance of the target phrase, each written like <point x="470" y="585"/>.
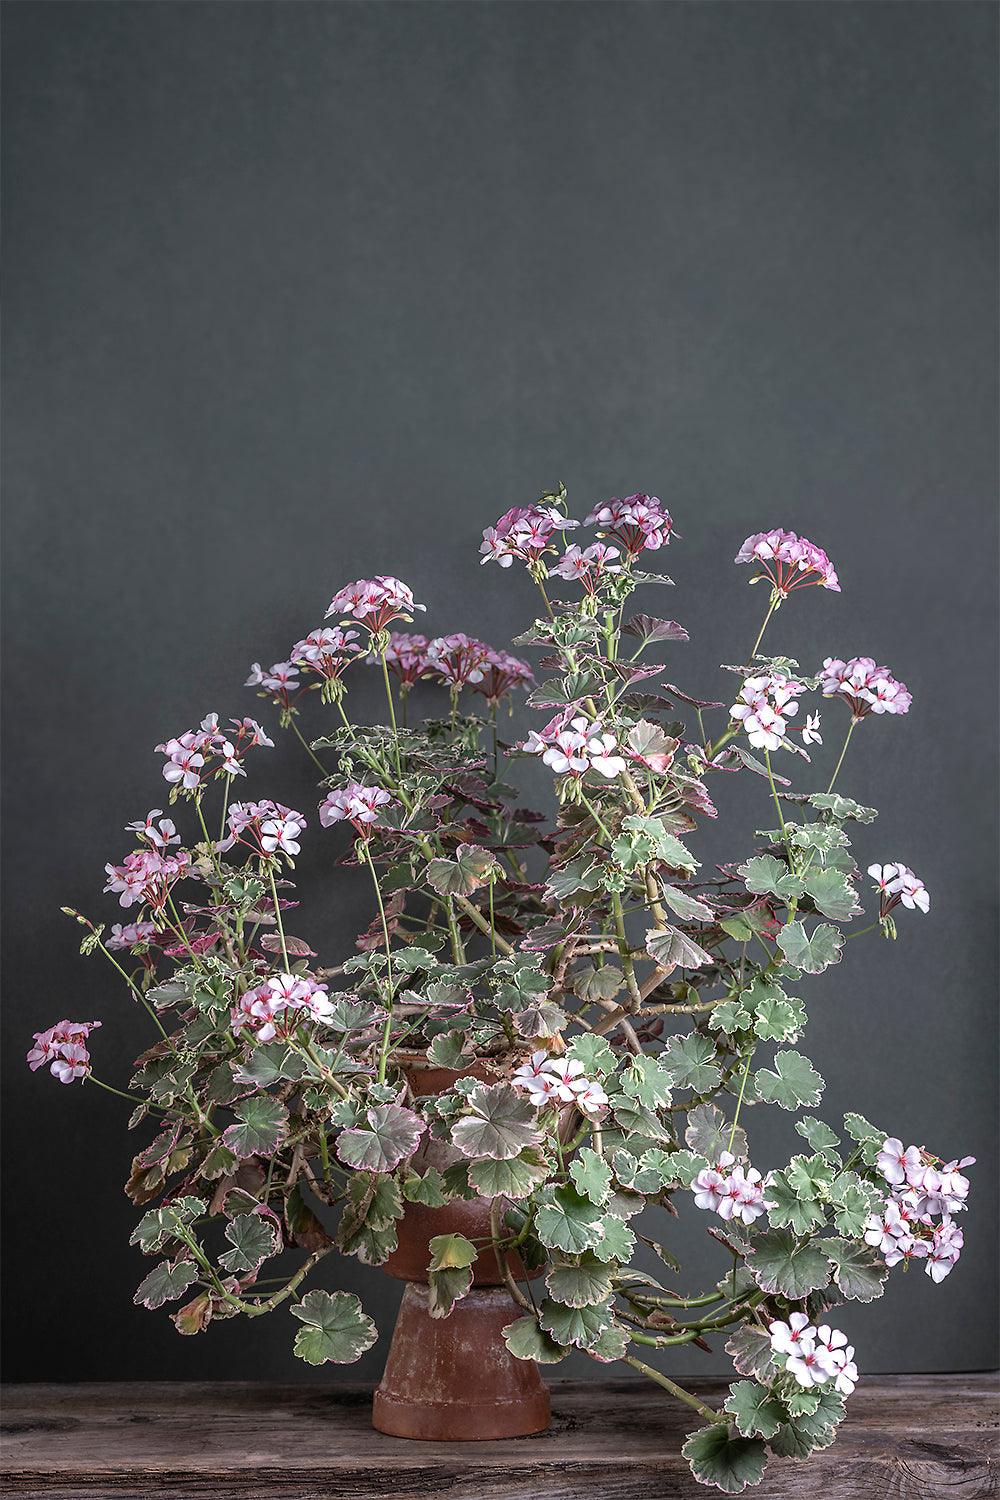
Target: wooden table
<point x="919" y="1436"/>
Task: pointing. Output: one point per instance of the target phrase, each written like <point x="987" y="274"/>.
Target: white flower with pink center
<point x="764" y="706"/>
<point x="129" y="935"/>
<point x="376" y="602"/>
<point x="788" y="561"/>
<point x="637" y="522"/>
<point x="158" y="831"/>
<point x="457" y="659"/>
<point x="524" y="533"/>
<point x="587" y="566"/>
<point x="355" y="804"/>
<point x="62" y="1048"/>
<point x="865" y="686"/>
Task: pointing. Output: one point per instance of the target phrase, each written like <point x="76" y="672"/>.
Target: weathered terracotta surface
<point x="453" y="1379"/>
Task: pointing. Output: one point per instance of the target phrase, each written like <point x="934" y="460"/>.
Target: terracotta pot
<point x="453" y="1379"/>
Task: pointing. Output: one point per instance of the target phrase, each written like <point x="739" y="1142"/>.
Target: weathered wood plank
<point x="906" y="1438"/>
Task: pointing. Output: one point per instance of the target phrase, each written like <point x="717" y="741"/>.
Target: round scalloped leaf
<point x="766" y="876"/>
<point x="581" y="1326"/>
<point x="591" y="1175"/>
<point x="391" y="1135"/>
<point x="754" y="1410"/>
<point x="673" y="949"/>
<point x="818" y="1134"/>
<point x="618" y="1242"/>
<point x="832" y="894"/>
<point x="514" y="1178"/>
<point x="751" y="1352"/>
<point x="165" y="1283"/>
<point x="811" y="952"/>
<point x="253" y="1237"/>
<point x="780" y="1265"/>
<point x="261" y="1127"/>
<point x="595" y="1054"/>
<point x="526" y="1340"/>
<point x="568" y="1221"/>
<point x="336" y="1328"/>
<point x="858" y="1271"/>
<point x="500" y="1124"/>
<point x="582" y="1284"/>
<point x="807" y="1431"/>
<point x="708" y="1132"/>
<point x="793" y="1084"/>
<point x="690" y="1062"/>
<point x="727" y="1462"/>
<point x="611" y="1345"/>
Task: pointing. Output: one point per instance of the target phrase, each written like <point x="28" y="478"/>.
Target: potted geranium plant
<point x="550" y="1026"/>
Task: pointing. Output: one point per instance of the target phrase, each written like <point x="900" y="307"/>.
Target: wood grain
<point x="912" y="1437"/>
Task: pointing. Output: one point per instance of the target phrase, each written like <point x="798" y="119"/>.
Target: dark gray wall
<point x="299" y="292"/>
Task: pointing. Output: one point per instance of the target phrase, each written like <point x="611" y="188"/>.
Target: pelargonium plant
<point x="629" y="1005"/>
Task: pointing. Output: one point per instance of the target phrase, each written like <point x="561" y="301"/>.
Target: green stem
<point x="277" y="915"/>
<point x="309" y="749"/>
<point x="739" y="1102"/>
<point x="840" y="762"/>
<point x="770" y="611"/>
<point x="392" y="711"/>
<point x="708" y="1412"/>
<point x="387" y="1027"/>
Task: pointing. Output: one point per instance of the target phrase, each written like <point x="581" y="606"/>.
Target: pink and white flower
<point x="406" y="657"/>
<point x="376" y="602"/>
<point x="945" y="1248"/>
<point x="897" y="1163"/>
<point x="764" y="706"/>
<point x="573" y="748"/>
<point x="157" y="831"/>
<point x="788" y="561"/>
<point x="278" y="1005"/>
<point x="814" y="1356"/>
<point x="501" y="674"/>
<point x="266" y="828"/>
<point x="711" y="1185"/>
<point x="62" y="1048"/>
<point x="327" y="653"/>
<point x="897" y="884"/>
<point x="866" y="687"/>
<point x="355" y="804"/>
<point x="556" y="1081"/>
<point x="588" y="566"/>
<point x="637" y="522"/>
<point x="280" y="834"/>
<point x="129" y="935"/>
<point x="525" y="533"/>
<point x="457" y="659"/>
<point x="730" y="1190"/>
<point x="788" y="1338"/>
<point x="146" y="876"/>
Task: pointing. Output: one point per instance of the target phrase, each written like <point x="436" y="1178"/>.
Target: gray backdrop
<point x="301" y="292"/>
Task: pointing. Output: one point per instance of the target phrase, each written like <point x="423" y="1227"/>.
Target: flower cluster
<point x="869" y="689"/>
<point x="129" y="935"/>
<point x="406" y="657"/>
<point x="457" y="659"/>
<point x="278" y="683"/>
<point x="814" y="1356"/>
<point x="921" y="1187"/>
<point x="502" y="673"/>
<point x="789" y="561"/>
<point x="730" y="1190"/>
<point x="63" y="1048"/>
<point x="897" y="884"/>
<point x="266" y="828"/>
<point x="554" y="1081"/>
<point x="576" y="746"/>
<point x="587" y="565"/>
<point x="764" y="706"/>
<point x="355" y="804"/>
<point x="279" y="1004"/>
<point x="376" y="602"/>
<point x="524" y="533"/>
<point x="637" y="522"/>
<point x="147" y="876"/>
<point x="192" y="756"/>
<point x="326" y="653"/>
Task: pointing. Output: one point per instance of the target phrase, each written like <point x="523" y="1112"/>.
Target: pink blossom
<point x="573" y="748"/>
<point x="376" y="602"/>
<point x="592" y="1100"/>
<point x="789" y="561"/>
<point x="889" y="1234"/>
<point x="637" y="522"/>
<point x="279" y="683"/>
<point x="280" y="834"/>
<point x="63" y="1048"/>
<point x="811" y="734"/>
<point x="277" y="1005"/>
<point x="945" y="1248"/>
<point x="866" y="687"/>
<point x="406" y="657"/>
<point x="327" y="652"/>
<point x="787" y="1338"/>
<point x="502" y="673"/>
<point x="556" y="1081"/>
<point x="895" y="1163"/>
<point x="896" y="884"/>
<point x="146" y="875"/>
<point x="457" y="659"/>
<point x="524" y="533"/>
<point x="587" y="567"/>
<point x="198" y="754"/>
<point x="355" y="804"/>
<point x="129" y="935"/>
<point x="265" y="827"/>
<point x="764" y="706"/>
<point x="160" y="834"/>
<point x="570" y="1078"/>
<point x="744" y="1200"/>
<point x="711" y="1186"/>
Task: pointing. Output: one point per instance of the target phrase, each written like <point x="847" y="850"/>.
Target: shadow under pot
<point x="453" y="1379"/>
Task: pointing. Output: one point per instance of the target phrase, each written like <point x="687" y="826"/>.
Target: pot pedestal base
<point x="454" y="1379"/>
